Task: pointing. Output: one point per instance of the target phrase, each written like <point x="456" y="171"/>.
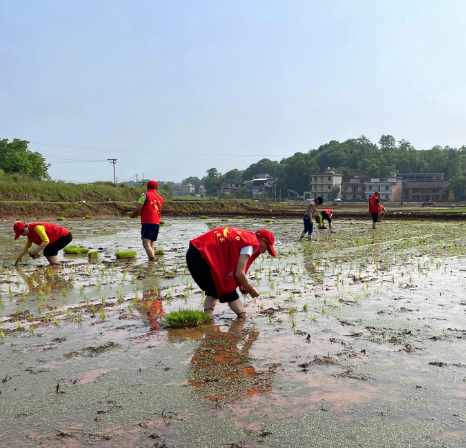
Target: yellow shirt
<point x="40" y="230"/>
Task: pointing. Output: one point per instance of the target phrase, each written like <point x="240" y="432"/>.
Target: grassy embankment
<point x="24" y="198"/>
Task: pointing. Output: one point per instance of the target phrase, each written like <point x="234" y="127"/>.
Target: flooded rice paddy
<point x="357" y="340"/>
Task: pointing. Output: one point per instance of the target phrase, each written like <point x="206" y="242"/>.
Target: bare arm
<point x="39" y="248"/>
<point x="241" y="278"/>
<point x="20" y="256"/>
<point x="137" y="210"/>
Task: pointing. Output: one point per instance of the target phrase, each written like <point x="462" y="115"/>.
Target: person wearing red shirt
<point x="150" y="208"/>
<point x="46" y="235"/>
<point x="219" y="260"/>
<point x="375" y="208"/>
<point x="327" y="214"/>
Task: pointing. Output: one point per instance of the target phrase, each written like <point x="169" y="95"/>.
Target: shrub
<point x="94" y="255"/>
<point x="88" y="217"/>
<point x="204" y="217"/>
<point x="187" y="318"/>
<point x="125" y="254"/>
<point x="61" y="218"/>
<point x="159" y="252"/>
<point x="240" y="217"/>
<point x="75" y="250"/>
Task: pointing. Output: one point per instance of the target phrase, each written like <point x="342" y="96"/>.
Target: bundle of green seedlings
<point x="268" y="220"/>
<point x="204" y="217"/>
<point x="75" y="250"/>
<point x="240" y="217"/>
<point x="126" y="254"/>
<point x="88" y="217"/>
<point x="159" y="251"/>
<point x="184" y="318"/>
<point x="61" y="218"/>
<point x="93" y="255"/>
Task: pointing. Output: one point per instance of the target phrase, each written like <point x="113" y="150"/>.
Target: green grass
<point x="88" y="217"/>
<point x="159" y="252"/>
<point x="204" y="217"/>
<point x="449" y="210"/>
<point x="125" y="254"/>
<point x="75" y="250"/>
<point x="94" y="254"/>
<point x="240" y="217"/>
<point x="61" y="218"/>
<point x="186" y="318"/>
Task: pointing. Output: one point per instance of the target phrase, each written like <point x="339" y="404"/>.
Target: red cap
<point x="376" y="193"/>
<point x="268" y="237"/>
<point x="17" y="228"/>
<point x="152" y="184"/>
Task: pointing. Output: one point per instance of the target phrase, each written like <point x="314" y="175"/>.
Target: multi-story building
<point x="202" y="190"/>
<point x="390" y="188"/>
<point x="229" y="186"/>
<point x="424" y="187"/>
<point x="322" y="184"/>
<point x="260" y="184"/>
<point x="353" y="189"/>
<point x="187" y="189"/>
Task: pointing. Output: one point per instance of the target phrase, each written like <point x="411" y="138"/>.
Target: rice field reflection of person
<point x="152" y="308"/>
<point x="221" y="366"/>
<point x="309" y="216"/>
<point x="219" y="260"/>
<point x="49" y="237"/>
<point x="150" y="208"/>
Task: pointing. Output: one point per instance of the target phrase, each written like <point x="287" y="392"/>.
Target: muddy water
<point x="357" y="340"/>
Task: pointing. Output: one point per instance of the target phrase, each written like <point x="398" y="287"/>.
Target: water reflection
<point x="221" y="366"/>
<point x="151" y="307"/>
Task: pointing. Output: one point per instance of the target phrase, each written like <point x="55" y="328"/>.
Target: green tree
<point x="387" y="141"/>
<point x="241" y="193"/>
<point x="233" y="174"/>
<point x="193" y="180"/>
<point x="15" y="157"/>
<point x="166" y="192"/>
<point x="212" y="180"/>
<point x="457" y="184"/>
<point x="334" y="191"/>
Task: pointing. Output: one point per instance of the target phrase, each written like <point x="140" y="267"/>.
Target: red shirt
<point x="53" y="231"/>
<point x="152" y="210"/>
<point x="328" y="210"/>
<point x="221" y="248"/>
<point x="374" y="206"/>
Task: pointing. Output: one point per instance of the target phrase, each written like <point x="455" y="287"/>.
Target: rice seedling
<point x="2" y="335"/>
<point x="268" y="220"/>
<point x="313" y="318"/>
<point x="159" y="252"/>
<point x="88" y="217"/>
<point x="184" y="318"/>
<point x="94" y="255"/>
<point x="75" y="250"/>
<point x="57" y="323"/>
<point x="125" y="255"/>
<point x="101" y="314"/>
<point x="61" y="218"/>
<point x="203" y="217"/>
<point x="293" y="323"/>
<point x="79" y="318"/>
<point x="240" y="217"/>
<point x="162" y="222"/>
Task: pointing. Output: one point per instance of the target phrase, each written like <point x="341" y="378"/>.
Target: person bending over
<point x="219" y="261"/>
<point x="46" y="235"/>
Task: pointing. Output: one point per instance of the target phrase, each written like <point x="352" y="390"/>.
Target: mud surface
<point x="357" y="340"/>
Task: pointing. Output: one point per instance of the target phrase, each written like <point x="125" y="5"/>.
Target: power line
<point x="166" y="153"/>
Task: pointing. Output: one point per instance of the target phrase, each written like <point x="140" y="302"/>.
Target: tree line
<point x="353" y="157"/>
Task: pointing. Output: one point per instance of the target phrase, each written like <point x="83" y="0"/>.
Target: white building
<point x="202" y="190"/>
<point x="186" y="190"/>
<point x="322" y="184"/>
<point x="260" y="184"/>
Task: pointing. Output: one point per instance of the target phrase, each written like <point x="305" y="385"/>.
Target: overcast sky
<point x="172" y="88"/>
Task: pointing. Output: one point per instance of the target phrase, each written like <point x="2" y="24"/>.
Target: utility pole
<point x="136" y="179"/>
<point x="114" y="161"/>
